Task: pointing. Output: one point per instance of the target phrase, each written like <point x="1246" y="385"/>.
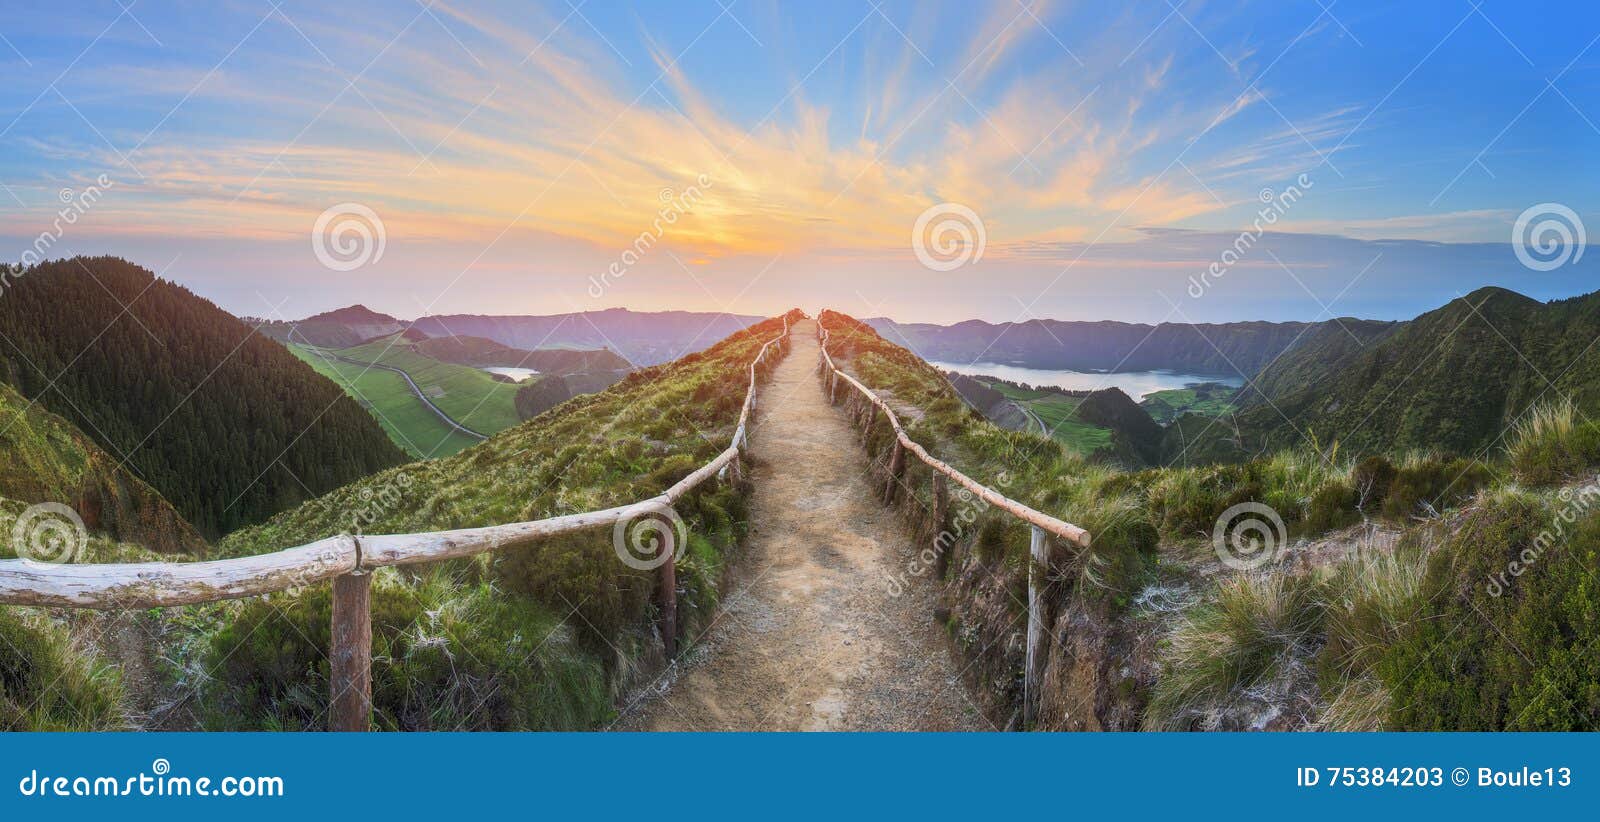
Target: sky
<point x="1149" y="161"/>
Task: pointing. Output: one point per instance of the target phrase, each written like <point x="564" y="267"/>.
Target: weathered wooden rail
<point x="348" y="561"/>
<point x="1043" y="525"/>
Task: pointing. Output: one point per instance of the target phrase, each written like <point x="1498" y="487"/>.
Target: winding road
<point x="415" y="389"/>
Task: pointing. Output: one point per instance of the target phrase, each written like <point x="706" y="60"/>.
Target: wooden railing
<point x="348" y="560"/>
<point x="1043" y="525"/>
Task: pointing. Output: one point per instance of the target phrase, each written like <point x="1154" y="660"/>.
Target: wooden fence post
<point x="351" y="661"/>
<point x="1038" y="559"/>
<point x="897" y="466"/>
<point x="667" y="592"/>
<point x="941" y="521"/>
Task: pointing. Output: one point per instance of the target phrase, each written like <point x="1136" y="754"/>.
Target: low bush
<point x="1508" y="636"/>
<point x="1553" y="444"/>
<point x="447" y="655"/>
<point x="50" y="683"/>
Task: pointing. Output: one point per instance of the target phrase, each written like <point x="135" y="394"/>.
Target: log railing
<point x="1043" y="526"/>
<point x="349" y="561"/>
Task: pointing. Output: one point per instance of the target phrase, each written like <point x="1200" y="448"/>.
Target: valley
<point x="1379" y="550"/>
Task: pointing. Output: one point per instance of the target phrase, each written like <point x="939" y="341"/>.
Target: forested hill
<point x="44" y="458"/>
<point x="342" y="328"/>
<point x="478" y="351"/>
<point x="1452" y="379"/>
<point x="1240" y="348"/>
<point x="228" y="425"/>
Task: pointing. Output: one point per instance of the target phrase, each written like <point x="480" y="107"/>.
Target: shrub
<point x="1509" y="635"/>
<point x="1426" y="485"/>
<point x="447" y="655"/>
<point x="1335" y="505"/>
<point x="1552" y="445"/>
<point x="1371" y="478"/>
<point x="48" y="683"/>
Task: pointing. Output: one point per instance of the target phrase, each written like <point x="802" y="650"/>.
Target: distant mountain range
<point x="641" y="338"/>
<point x="481" y="352"/>
<point x="1452" y="379"/>
<point x="1235" y="349"/>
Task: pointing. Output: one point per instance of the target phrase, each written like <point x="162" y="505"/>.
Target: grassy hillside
<point x="226" y="424"/>
<point x="1057" y="412"/>
<point x="471" y="396"/>
<point x="44" y="458"/>
<point x="1206" y="399"/>
<point x="409" y="423"/>
<point x="1372" y="616"/>
<point x="543" y="636"/>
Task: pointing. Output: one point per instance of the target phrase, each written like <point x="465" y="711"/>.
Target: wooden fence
<point x="348" y="561"/>
<point x="1043" y="525"/>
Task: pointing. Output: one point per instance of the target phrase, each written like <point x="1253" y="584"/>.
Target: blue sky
<point x="515" y="154"/>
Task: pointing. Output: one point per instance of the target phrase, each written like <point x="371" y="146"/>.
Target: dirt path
<point x="809" y="638"/>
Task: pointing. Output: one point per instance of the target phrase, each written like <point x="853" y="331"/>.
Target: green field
<point x="1057" y="412"/>
<point x="469" y="395"/>
<point x="404" y="418"/>
<point x="1209" y="400"/>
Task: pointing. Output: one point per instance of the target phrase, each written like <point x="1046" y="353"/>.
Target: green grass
<point x="408" y="422"/>
<point x="1253" y="635"/>
<point x="469" y="395"/>
<point x="49" y="682"/>
<point x="1553" y="443"/>
<point x="1058" y="413"/>
<point x="463" y="643"/>
<point x="1483" y="618"/>
<point x="1165" y="406"/>
<point x="54" y="673"/>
